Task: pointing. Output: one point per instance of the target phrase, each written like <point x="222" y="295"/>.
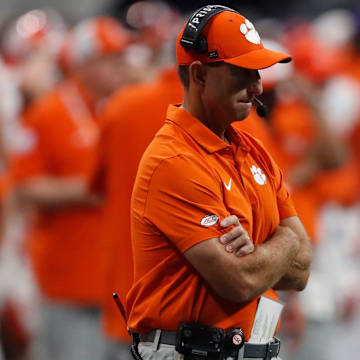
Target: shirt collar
<point x="200" y="133"/>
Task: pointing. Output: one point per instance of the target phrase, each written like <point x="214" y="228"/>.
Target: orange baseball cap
<point x="233" y="39"/>
<point x="93" y="38"/>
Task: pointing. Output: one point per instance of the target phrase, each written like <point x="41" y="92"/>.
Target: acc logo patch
<point x="209" y="220"/>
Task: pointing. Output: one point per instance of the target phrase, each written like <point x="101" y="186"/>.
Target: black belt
<point x="265" y="351"/>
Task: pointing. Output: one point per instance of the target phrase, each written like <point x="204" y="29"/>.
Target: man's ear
<point x="197" y="73"/>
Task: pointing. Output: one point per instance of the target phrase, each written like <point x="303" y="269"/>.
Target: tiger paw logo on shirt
<point x="259" y="176"/>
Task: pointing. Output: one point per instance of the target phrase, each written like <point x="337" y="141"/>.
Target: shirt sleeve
<point x="185" y="202"/>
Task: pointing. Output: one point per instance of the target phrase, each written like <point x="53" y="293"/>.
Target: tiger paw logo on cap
<point x="250" y="33"/>
<point x="259" y="177"/>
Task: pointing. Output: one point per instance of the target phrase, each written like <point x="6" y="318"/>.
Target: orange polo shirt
<point x="187" y="173"/>
<point x="59" y="138"/>
<point x="115" y="179"/>
<point x="288" y="140"/>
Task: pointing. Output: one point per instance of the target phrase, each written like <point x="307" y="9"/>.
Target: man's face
<point x="107" y="74"/>
<point x="228" y="92"/>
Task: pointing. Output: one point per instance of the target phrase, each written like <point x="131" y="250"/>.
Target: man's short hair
<point x="183" y="72"/>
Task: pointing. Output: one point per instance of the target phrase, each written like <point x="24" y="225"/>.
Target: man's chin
<point x="240" y="116"/>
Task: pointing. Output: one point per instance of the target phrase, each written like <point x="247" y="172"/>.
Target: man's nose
<point x="255" y="88"/>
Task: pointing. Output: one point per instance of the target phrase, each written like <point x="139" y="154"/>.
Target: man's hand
<point x="237" y="240"/>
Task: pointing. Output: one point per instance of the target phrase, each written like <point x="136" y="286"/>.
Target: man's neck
<point x="196" y="109"/>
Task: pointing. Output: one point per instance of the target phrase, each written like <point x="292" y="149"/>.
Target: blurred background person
<point x="125" y="134"/>
<point x="154" y="24"/>
<point x="331" y="299"/>
<point x="50" y="171"/>
<point x="29" y="45"/>
<point x="319" y="163"/>
<point x="297" y="135"/>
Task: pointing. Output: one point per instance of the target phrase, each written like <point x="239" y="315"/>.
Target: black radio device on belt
<point x="197" y="342"/>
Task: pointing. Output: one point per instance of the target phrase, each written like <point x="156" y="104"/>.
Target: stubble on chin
<point x="241" y="115"/>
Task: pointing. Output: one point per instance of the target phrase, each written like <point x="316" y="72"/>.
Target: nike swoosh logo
<point x="228" y="186"/>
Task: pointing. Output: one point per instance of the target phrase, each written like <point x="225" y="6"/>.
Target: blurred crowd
<point x="78" y="106"/>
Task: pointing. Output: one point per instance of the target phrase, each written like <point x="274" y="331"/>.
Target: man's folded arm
<point x="241" y="279"/>
<point x="299" y="271"/>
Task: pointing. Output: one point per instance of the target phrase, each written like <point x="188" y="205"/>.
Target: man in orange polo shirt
<point x="199" y="176"/>
<point x="51" y="168"/>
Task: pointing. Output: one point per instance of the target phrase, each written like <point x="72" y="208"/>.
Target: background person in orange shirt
<point x="114" y="180"/>
<point x="309" y="132"/>
<point x="199" y="176"/>
<point x="301" y="141"/>
<point x="331" y="298"/>
<point x="50" y="169"/>
<point x="28" y="69"/>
